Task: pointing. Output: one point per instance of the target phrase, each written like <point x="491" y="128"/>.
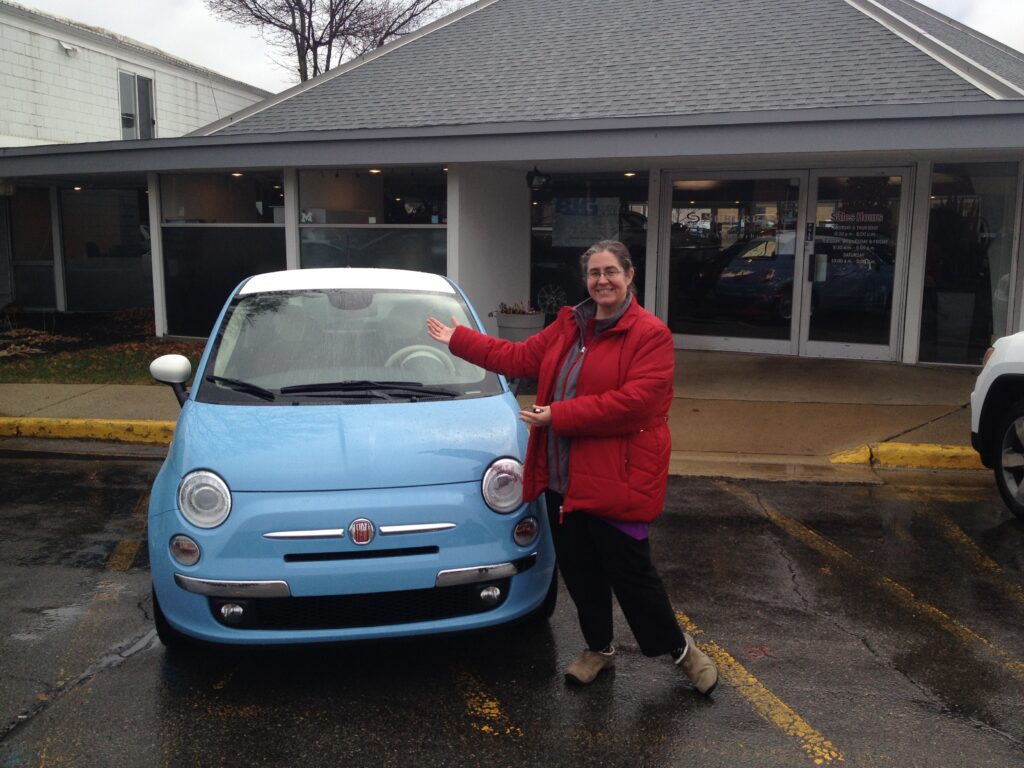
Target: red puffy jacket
<point x="618" y="463"/>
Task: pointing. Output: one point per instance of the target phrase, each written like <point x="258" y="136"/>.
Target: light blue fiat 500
<point x="337" y="475"/>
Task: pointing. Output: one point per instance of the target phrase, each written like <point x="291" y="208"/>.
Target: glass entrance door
<point x="732" y="242"/>
<point x="853" y="262"/>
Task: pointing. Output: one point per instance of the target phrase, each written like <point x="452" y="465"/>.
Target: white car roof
<point x="345" y="277"/>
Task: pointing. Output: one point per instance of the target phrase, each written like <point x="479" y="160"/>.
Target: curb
<point x="115" y="430"/>
<point x="911" y="456"/>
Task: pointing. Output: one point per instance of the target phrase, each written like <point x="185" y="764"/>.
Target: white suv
<point x="997" y="418"/>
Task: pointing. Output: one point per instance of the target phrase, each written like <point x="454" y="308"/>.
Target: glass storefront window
<point x="222" y="198"/>
<point x="202" y="265"/>
<point x="32" y="248"/>
<point x="572" y="212"/>
<point x="392" y="218"/>
<point x="733" y="243"/>
<point x="387" y="247"/>
<point x="390" y="196"/>
<point x="967" y="266"/>
<point x="107" y="261"/>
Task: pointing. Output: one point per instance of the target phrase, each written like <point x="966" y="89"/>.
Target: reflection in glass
<point x="222" y="198"/>
<point x="569" y="214"/>
<point x="852" y="269"/>
<point x="202" y="265"/>
<point x="320" y="337"/>
<point x="107" y="262"/>
<point x="731" y="257"/>
<point x="393" y="196"/>
<point x="386" y="247"/>
<point x="967" y="267"/>
<point x="32" y="248"/>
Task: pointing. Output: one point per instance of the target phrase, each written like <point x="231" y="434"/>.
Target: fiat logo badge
<point x="361" y="531"/>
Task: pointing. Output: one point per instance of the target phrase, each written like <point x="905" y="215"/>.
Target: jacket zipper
<point x="564" y="481"/>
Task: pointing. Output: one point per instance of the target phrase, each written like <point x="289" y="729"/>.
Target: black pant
<point x="597" y="559"/>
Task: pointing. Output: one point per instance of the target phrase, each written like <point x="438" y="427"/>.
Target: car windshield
<point x="338" y="346"/>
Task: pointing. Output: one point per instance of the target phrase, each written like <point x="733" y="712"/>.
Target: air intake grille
<point x="369" y="610"/>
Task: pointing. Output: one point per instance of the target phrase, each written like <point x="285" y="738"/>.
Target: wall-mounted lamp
<point x="375" y="171"/>
<point x="536" y="180"/>
<point x="237" y="174"/>
<point x="629" y="174"/>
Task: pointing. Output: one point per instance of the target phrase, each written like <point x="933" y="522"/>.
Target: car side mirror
<point x="175" y="371"/>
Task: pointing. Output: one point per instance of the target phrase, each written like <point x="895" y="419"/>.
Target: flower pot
<point x="518" y="327"/>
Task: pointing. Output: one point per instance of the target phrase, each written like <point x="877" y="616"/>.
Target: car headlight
<point x="502" y="486"/>
<point x="204" y="499"/>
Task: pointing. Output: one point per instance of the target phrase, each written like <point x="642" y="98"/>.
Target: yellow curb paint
<point x="484" y="709"/>
<point x="898" y="592"/>
<point x="926" y="456"/>
<point x="769" y="706"/>
<point x="859" y="455"/>
<point x="117" y="430"/>
<point x="911" y="456"/>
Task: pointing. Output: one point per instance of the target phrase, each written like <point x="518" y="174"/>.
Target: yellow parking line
<point x="124" y="553"/>
<point x="769" y="706"/>
<point x="483" y="709"/>
<point x="898" y="592"/>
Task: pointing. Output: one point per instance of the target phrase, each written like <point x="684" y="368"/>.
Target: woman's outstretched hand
<point x="439" y="331"/>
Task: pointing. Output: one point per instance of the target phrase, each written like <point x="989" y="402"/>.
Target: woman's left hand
<point x="536" y="415"/>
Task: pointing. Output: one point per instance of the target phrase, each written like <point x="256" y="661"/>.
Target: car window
<point x="296" y="339"/>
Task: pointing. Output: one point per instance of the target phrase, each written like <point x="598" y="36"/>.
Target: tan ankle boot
<point x="588" y="665"/>
<point x="699" y="667"/>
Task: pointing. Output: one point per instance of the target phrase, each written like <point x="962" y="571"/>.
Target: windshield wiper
<point x="242" y="386"/>
<point x="409" y="387"/>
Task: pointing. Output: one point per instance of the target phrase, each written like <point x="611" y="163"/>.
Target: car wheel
<point x="169" y="636"/>
<point x="551" y="298"/>
<point x="1009" y="461"/>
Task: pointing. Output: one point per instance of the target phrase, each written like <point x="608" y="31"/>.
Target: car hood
<point x="344" y="447"/>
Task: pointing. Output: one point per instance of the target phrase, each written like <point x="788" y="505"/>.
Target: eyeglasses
<point x="609" y="273"/>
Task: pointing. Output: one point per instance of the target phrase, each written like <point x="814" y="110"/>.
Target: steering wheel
<point x="405" y="355"/>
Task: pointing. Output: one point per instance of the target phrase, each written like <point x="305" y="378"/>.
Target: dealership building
<point x="826" y="178"/>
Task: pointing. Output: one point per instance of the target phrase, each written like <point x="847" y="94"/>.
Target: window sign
<point x="579" y="222"/>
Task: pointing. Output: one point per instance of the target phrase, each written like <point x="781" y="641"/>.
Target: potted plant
<point x="517" y="321"/>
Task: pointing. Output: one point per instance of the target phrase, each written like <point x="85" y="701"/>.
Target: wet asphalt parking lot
<point x="856" y="625"/>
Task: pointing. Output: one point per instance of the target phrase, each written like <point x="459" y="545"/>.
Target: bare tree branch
<point x="320" y="34"/>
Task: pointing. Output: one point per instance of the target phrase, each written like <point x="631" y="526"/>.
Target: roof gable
<point x="536" y="60"/>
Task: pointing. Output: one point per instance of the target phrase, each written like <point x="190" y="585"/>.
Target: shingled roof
<point x="529" y="61"/>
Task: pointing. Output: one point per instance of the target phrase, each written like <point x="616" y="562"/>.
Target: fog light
<point x="184" y="550"/>
<point x="490" y="595"/>
<point x="526" y="531"/>
<point x="231" y="613"/>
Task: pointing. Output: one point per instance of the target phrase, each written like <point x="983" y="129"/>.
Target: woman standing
<point x="599" y="450"/>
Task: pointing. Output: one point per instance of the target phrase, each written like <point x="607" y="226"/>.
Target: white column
<point x="156" y="250"/>
<point x="59" y="287"/>
<point x="292" y="240"/>
<point x="489" y="236"/>
<point x="921" y="195"/>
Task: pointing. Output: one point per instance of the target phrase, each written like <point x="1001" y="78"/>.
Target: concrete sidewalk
<point x="734" y="415"/>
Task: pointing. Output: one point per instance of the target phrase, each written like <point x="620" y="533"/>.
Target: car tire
<point x="172" y="639"/>
<point x="1008" y="456"/>
<point x="546" y="609"/>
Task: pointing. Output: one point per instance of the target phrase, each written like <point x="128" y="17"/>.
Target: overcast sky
<point x="184" y="28"/>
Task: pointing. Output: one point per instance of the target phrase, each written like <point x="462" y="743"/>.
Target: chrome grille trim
<point x="239" y="589"/>
<point x="389" y="530"/>
<point x="327" y="533"/>
<point x="456" y="576"/>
